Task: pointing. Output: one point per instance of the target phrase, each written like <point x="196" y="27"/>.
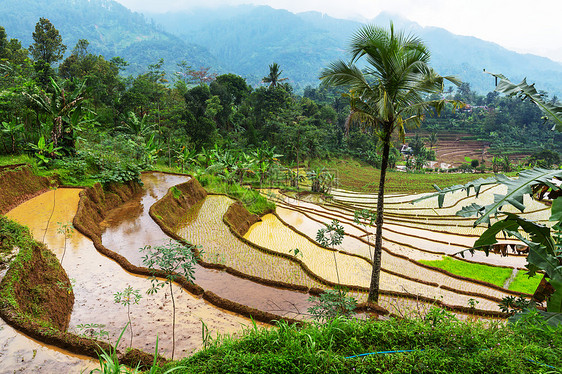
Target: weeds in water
<point x="205" y="335"/>
<point x="296" y="252"/>
<point x="472" y="303"/>
<point x="170" y="258"/>
<point x="127" y="297"/>
<point x="93" y="330"/>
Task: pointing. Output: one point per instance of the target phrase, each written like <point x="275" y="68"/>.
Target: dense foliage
<point x="85" y="117"/>
<point x="437" y="343"/>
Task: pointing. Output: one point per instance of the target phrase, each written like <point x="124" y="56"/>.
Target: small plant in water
<point x="330" y="236"/>
<point x="205" y="336"/>
<point x="92" y="330"/>
<point x="109" y="362"/>
<point x="366" y="218"/>
<point x="65" y="229"/>
<point x="127" y="297"/>
<point x="169" y="259"/>
<point x="296" y="252"/>
<point x="472" y="303"/>
<point x="332" y="304"/>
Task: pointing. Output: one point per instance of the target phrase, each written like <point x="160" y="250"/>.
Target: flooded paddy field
<point x="281" y="247"/>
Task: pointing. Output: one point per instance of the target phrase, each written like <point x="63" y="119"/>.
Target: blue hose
<point x="384" y="352"/>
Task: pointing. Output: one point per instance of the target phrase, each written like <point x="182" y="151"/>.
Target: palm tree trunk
<point x="375" y="275"/>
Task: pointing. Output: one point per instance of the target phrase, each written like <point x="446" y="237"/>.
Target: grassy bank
<point x="36" y="287"/>
<point x="439" y="344"/>
<point x="252" y="200"/>
<point x="492" y="274"/>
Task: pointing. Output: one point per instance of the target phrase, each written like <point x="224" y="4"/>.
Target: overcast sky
<point x="520" y="25"/>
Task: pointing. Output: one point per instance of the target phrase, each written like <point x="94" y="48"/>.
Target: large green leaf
<point x="489" y="236"/>
<point x="440" y="194"/>
<point x="525" y="90"/>
<point x="517" y="188"/>
<point x="555" y="301"/>
<point x="551" y="318"/>
<point x="471" y="210"/>
<point x="556" y="215"/>
<point x="539" y="234"/>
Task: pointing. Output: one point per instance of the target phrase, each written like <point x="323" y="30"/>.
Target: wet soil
<point x="130" y="227"/>
<point x="96" y="279"/>
<point x="21" y="354"/>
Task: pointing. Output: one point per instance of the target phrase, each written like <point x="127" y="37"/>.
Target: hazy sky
<point x="520" y="25"/>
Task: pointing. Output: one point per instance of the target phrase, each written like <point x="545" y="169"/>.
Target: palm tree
<point x="432" y="139"/>
<point x="273" y="78"/>
<point x="389" y="94"/>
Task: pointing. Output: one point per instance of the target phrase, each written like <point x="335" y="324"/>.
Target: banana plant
<point x="45" y="152"/>
<point x="139" y="127"/>
<point x="265" y="158"/>
<point x="545" y="249"/>
<point x="60" y="106"/>
<point x="186" y="156"/>
<point x="11" y="129"/>
<point x="545" y="244"/>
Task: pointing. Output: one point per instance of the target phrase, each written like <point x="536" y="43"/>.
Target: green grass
<point x="522" y="282"/>
<point x="492" y="274"/>
<point x="17" y="159"/>
<point x="359" y="176"/>
<point x="440" y="344"/>
<point x="252" y="200"/>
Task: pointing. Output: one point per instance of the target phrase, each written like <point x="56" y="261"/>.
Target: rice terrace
<point x="388" y="220"/>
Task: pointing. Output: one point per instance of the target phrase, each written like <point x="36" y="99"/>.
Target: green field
<point x="490" y="274"/>
<point x="359" y="176"/>
<point x="522" y="282"/>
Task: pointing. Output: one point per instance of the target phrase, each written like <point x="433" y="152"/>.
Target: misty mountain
<point x="111" y="29"/>
<point x="246" y="39"/>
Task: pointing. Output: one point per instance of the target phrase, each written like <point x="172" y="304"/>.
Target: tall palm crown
<point x="388" y="94"/>
<point x="274" y="76"/>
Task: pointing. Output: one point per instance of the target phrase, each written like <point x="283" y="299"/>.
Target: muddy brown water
<point x="96" y="279"/>
<point x="130" y="227"/>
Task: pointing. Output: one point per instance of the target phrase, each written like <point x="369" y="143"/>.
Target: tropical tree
<point x="432" y="139"/>
<point x="48" y="46"/>
<point x="139" y="127"/>
<point x="167" y="263"/>
<point x="274" y="76"/>
<point x="12" y="129"/>
<point x="389" y="94"/>
<point x="65" y="111"/>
